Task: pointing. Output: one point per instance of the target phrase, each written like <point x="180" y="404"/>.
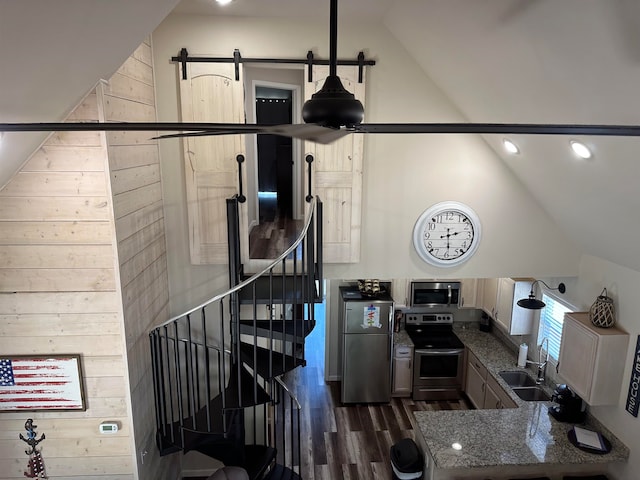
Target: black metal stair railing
<point x="217" y="367"/>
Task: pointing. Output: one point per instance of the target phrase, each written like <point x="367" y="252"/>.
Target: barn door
<point x="211" y="94"/>
<point x="337" y="176"/>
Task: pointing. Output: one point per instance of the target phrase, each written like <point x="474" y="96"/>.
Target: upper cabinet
<point x="470" y="293"/>
<point x="592" y="359"/>
<point x="499" y="297"/>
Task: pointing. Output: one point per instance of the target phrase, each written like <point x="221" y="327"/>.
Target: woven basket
<point x="602" y="313"/>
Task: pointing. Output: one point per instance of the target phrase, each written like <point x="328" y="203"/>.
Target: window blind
<point x="551" y="322"/>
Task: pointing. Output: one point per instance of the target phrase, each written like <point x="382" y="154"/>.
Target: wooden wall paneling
<point x="130" y="224"/>
<point x="57" y="259"/>
<point x="63" y="184"/>
<point x="137" y="198"/>
<point x="63" y="302"/>
<point x="123" y="156"/>
<point x="56" y="279"/>
<point x="60" y="324"/>
<point x="130" y="246"/>
<point x="54" y="209"/>
<point x="134" y="178"/>
<point x="55" y="233"/>
<point x="131" y="138"/>
<point x="55" y="158"/>
<point x="63" y="256"/>
<point x="61" y="428"/>
<point x="139" y="262"/>
<point x="121" y="86"/>
<point x="124" y="110"/>
<point x="128" y="202"/>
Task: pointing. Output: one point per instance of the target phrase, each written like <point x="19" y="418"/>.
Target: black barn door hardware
<point x="240" y="160"/>
<point x="309" y="160"/>
<point x="184" y="58"/>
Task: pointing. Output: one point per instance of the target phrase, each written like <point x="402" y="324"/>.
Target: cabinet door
<point x="504" y="399"/>
<point x="505" y="303"/>
<point x="469" y="293"/>
<point x="402" y="376"/>
<point x="491" y="398"/>
<point x="489" y="295"/>
<point x="577" y="357"/>
<point x="474" y="387"/>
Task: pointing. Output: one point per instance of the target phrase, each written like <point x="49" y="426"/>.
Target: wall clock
<point x="447" y="234"/>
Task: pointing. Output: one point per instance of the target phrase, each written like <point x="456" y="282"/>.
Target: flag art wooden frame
<point x="41" y="382"/>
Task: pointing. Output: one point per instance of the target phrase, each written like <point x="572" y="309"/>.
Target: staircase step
<point x="282" y="329"/>
<point x="258" y="458"/>
<point x="280" y="363"/>
<point x="246" y="393"/>
<point x="279" y="472"/>
<point x="265" y="294"/>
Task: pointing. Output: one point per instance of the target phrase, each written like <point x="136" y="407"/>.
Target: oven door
<point x="437" y="374"/>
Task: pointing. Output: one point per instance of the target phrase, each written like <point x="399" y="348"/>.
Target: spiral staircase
<point x="218" y="368"/>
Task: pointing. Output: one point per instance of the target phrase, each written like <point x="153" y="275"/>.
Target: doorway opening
<point x="277" y="228"/>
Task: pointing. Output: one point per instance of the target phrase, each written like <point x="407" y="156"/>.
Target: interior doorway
<point x="277" y="228"/>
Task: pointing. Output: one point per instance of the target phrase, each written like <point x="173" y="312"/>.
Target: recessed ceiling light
<point x="224" y="2"/>
<point x="580" y="149"/>
<point x="510" y="147"/>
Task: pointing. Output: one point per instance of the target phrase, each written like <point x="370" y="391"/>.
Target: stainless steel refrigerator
<point x="367" y="337"/>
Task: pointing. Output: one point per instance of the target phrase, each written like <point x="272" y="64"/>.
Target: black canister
<point x="485" y="323"/>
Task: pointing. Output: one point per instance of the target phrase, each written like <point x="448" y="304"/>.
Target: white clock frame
<point x="437" y="209"/>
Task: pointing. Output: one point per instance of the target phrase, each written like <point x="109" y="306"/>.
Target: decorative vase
<point x="602" y="313"/>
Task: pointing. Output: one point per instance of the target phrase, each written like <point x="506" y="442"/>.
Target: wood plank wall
<point x="139" y="221"/>
<point x="59" y="294"/>
<point x="83" y="270"/>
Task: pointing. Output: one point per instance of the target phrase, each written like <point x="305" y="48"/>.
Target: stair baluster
<point x="218" y="379"/>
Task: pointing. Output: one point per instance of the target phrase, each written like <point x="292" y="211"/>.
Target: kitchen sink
<point x="517" y="378"/>
<point x="531" y="394"/>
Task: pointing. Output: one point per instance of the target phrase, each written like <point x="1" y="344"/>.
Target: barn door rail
<point x="310" y="60"/>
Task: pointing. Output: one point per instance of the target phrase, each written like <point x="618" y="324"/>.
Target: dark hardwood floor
<point x="275" y="233"/>
<point x="348" y="441"/>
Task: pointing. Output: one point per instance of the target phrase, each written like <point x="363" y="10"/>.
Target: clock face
<point x="447" y="234"/>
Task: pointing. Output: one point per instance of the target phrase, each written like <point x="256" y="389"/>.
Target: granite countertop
<point x="402" y="339"/>
<point x="526" y="435"/>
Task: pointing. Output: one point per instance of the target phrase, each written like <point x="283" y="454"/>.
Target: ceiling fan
<point x="330" y="114"/>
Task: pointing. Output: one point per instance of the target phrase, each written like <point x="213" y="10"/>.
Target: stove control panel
<point x="413" y="318"/>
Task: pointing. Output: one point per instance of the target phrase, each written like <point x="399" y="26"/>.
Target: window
<point x="551" y="321"/>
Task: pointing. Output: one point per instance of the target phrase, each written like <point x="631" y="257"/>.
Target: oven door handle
<point x="434" y="352"/>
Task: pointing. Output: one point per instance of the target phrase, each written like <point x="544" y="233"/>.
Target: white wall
<point x="403" y="175"/>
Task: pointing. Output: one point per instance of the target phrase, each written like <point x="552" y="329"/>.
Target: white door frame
<point x="298" y="167"/>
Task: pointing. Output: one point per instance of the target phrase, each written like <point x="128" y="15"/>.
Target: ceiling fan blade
<point x="500" y="128"/>
<point x="220" y="128"/>
<point x="302" y="131"/>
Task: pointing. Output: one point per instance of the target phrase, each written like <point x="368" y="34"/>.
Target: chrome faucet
<point x="542" y="366"/>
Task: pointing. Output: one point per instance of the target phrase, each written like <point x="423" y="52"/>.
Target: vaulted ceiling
<point x="569" y="61"/>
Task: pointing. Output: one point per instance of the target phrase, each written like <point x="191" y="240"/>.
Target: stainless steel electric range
<point x="438" y="365"/>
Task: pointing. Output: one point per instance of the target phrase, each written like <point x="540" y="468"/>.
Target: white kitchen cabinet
<point x="402" y="371"/>
<point x="499" y="300"/>
<point x="489" y="295"/>
<point x="482" y="389"/>
<point x="469" y="297"/>
<point x="592" y="359"/>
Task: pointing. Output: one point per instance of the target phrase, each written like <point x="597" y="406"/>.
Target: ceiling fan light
<point x="333" y="106"/>
<point x="510" y="147"/>
<point x="580" y="149"/>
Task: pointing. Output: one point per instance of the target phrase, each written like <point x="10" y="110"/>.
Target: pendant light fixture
<point x="532" y="303"/>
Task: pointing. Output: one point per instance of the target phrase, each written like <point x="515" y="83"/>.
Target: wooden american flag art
<point x="40" y="382"/>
